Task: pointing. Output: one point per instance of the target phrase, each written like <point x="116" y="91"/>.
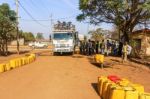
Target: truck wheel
<point x="55" y="53"/>
<point x="71" y="53"/>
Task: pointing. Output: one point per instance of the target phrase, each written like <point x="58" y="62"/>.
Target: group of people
<point x="92" y="47"/>
<point x="105" y="47"/>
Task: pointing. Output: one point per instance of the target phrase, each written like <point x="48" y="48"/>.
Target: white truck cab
<point x="64" y="41"/>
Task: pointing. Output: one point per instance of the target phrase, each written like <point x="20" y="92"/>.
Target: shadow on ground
<point x="94" y="86"/>
<point x="13" y="53"/>
<point x="115" y="60"/>
<point x="78" y="56"/>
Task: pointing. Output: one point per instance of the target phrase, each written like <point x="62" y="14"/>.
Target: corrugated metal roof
<point x="141" y="31"/>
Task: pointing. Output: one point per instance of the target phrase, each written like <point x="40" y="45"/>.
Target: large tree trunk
<point x="6" y="47"/>
<point x="0" y="47"/>
<point x="3" y="47"/>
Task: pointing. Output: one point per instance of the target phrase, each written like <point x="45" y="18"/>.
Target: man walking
<point x="97" y="47"/>
<point x="124" y="52"/>
<point x="102" y="46"/>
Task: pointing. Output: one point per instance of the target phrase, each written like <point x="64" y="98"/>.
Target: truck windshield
<point x="63" y="36"/>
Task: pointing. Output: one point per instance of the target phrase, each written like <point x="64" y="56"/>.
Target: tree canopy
<point x="39" y="36"/>
<point x="125" y="14"/>
<point x="97" y="34"/>
<point x="7" y="25"/>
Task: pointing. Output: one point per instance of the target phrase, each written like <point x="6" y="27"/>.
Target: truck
<point x="64" y="38"/>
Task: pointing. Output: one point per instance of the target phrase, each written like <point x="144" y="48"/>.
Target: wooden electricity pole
<point x="17" y="23"/>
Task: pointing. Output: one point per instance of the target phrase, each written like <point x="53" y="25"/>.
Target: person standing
<point x="116" y="49"/>
<point x="81" y="47"/>
<point x="124" y="52"/>
<point x="102" y="47"/>
<point x="89" y="47"/>
<point x="84" y="47"/>
<point x="108" y="47"/>
<point x="97" y="47"/>
<point x="129" y="49"/>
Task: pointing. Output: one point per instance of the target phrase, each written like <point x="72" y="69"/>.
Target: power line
<point x="36" y="6"/>
<point x="46" y="8"/>
<point x="49" y="19"/>
<point x="33" y="19"/>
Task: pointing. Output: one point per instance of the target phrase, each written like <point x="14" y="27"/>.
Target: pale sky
<point x="62" y="10"/>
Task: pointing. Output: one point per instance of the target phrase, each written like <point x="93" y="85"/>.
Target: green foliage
<point x="7" y="25"/>
<point x="125" y="14"/>
<point x="97" y="35"/>
<point x="28" y="36"/>
<point x="39" y="36"/>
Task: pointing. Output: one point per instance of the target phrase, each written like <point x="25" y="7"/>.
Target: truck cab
<point x="64" y="41"/>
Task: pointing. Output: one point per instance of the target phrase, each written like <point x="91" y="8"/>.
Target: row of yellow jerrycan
<point x="14" y="63"/>
<point x="113" y="87"/>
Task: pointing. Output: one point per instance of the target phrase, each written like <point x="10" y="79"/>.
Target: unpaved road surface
<point x="66" y="77"/>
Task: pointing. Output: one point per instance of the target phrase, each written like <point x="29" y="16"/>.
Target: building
<point x="141" y="39"/>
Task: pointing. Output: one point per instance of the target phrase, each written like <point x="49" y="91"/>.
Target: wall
<point x="14" y="42"/>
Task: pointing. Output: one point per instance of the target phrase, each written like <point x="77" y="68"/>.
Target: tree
<point x="28" y="36"/>
<point x="39" y="36"/>
<point x="97" y="34"/>
<point x="7" y="25"/>
<point x="125" y="14"/>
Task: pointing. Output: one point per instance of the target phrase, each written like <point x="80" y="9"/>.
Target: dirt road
<point x="65" y="77"/>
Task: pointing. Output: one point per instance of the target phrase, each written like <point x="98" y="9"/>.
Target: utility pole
<point x="51" y="19"/>
<point x="17" y="23"/>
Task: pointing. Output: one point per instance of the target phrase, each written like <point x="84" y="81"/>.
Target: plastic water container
<point x="138" y="87"/>
<point x="2" y="68"/>
<point x="27" y="60"/>
<point x="105" y="89"/>
<point x="23" y="61"/>
<point x="117" y="92"/>
<point x="144" y="96"/>
<point x="16" y="62"/>
<point x="34" y="56"/>
<point x="101" y="80"/>
<point x="19" y="62"/>
<point x="131" y="95"/>
<point x="109" y="89"/>
<point x="7" y="67"/>
<point x="13" y="63"/>
<point x="99" y="58"/>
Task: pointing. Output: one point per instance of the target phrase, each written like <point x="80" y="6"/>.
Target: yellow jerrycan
<point x="108" y="90"/>
<point x="105" y="89"/>
<point x="131" y="95"/>
<point x="19" y="62"/>
<point x="2" y="68"/>
<point x="101" y="80"/>
<point x="16" y="62"/>
<point x="12" y="63"/>
<point x="116" y="92"/>
<point x="24" y="60"/>
<point x="99" y="58"/>
<point x="144" y="96"/>
<point x="7" y="67"/>
<point x="138" y="87"/>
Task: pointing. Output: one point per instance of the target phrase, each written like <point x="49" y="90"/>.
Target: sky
<point x="45" y="10"/>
